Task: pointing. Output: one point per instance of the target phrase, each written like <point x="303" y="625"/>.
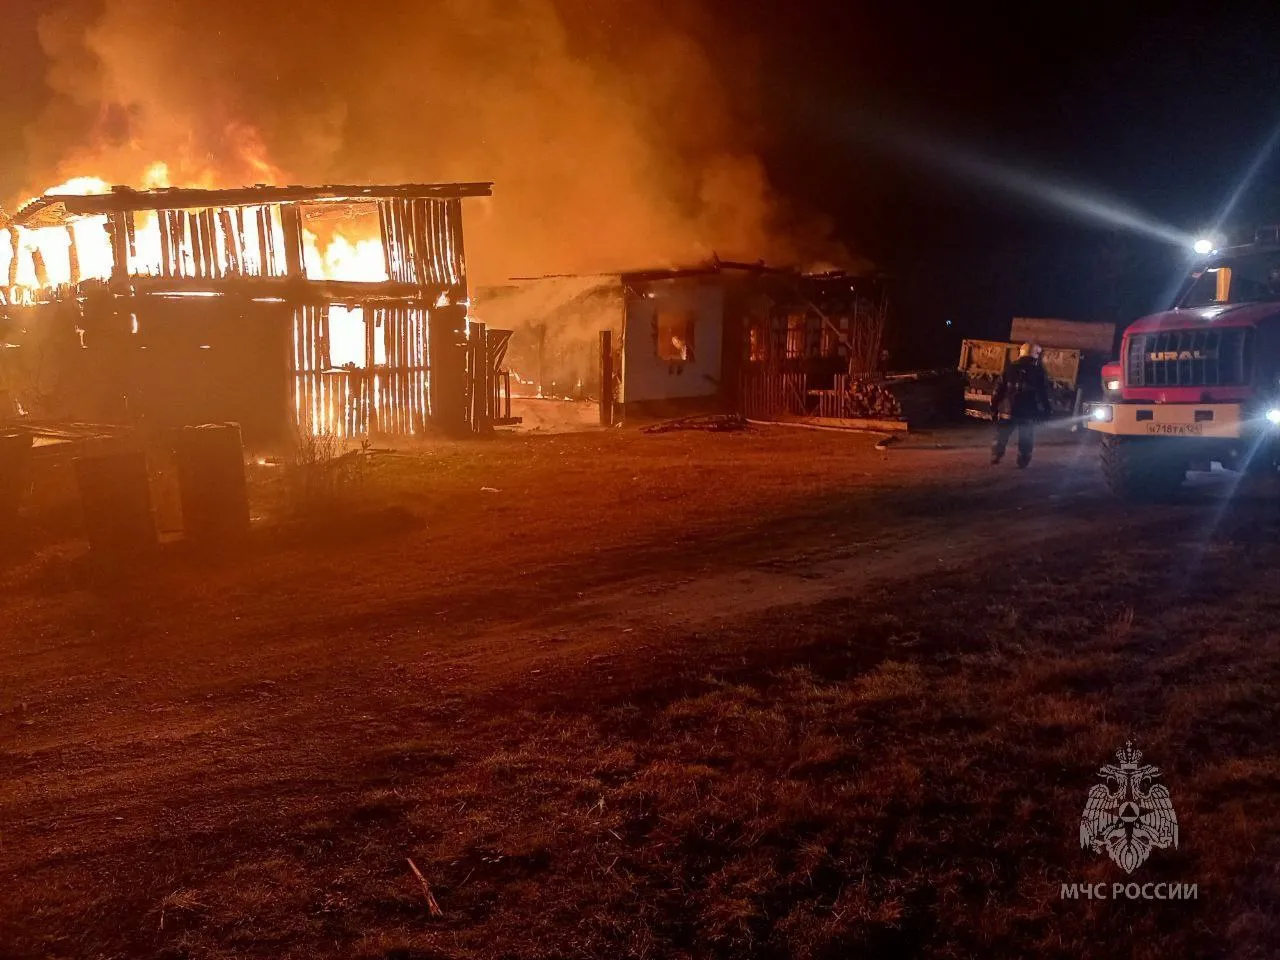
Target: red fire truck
<point x="1200" y="383"/>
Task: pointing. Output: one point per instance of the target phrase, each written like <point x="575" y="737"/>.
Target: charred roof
<point x="52" y="209"/>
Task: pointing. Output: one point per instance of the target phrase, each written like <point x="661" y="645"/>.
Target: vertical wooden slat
<point x="291" y="227"/>
<point x="266" y="242"/>
<point x="384" y="230"/>
<point x="131" y="231"/>
<point x="606" y="378"/>
<point x="388" y="241"/>
<point x="232" y="240"/>
<point x="419" y="377"/>
<point x="197" y="248"/>
<point x="304" y="352"/>
<point x="209" y="235"/>
<point x="404" y="213"/>
<point x="456" y="246"/>
<point x="119" y="247"/>
<point x="73" y="256"/>
<point x="391" y="400"/>
<point x="312" y="388"/>
<point x="317" y="327"/>
<point x="397" y="364"/>
<point x="397" y="248"/>
<point x="401" y="391"/>
<point x="162" y="227"/>
<point x="440" y="246"/>
<point x="241" y="261"/>
<point x="406" y="357"/>
<point x="420" y="222"/>
<point x="298" y="390"/>
<point x="177" y="233"/>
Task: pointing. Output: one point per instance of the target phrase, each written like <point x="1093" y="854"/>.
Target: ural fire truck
<point x="1200" y="383"/>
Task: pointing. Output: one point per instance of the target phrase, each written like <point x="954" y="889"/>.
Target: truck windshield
<point x="1243" y="279"/>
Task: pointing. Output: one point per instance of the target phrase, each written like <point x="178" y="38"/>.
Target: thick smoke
<point x="612" y="140"/>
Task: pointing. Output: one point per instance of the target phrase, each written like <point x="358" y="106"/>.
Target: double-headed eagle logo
<point x="1128" y="813"/>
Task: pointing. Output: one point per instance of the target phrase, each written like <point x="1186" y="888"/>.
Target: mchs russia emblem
<point x="1128" y="813"/>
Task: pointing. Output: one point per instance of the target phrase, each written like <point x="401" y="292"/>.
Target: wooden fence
<point x="767" y="395"/>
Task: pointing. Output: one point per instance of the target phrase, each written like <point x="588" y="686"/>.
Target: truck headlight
<point x="1273" y="416"/>
<point x="1104" y="412"/>
<point x="1113" y="385"/>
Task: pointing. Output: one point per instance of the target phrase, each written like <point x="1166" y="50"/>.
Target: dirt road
<point x="517" y="669"/>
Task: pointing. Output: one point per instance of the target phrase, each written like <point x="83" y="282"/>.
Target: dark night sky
<point x="1160" y="110"/>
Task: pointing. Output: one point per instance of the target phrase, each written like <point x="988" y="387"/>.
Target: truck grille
<point x="1188" y="358"/>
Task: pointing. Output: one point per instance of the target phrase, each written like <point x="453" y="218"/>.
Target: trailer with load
<point x="1073" y="356"/>
<point x="1199" y="383"/>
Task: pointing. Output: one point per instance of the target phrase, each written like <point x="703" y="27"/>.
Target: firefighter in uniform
<point x="1026" y="389"/>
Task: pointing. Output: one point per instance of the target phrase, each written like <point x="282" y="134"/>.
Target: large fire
<point x="35" y="259"/>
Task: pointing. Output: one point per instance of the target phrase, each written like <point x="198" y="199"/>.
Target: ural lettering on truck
<point x="1199" y="383"/>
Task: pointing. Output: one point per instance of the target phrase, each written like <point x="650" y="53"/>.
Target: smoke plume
<point x="612" y="137"/>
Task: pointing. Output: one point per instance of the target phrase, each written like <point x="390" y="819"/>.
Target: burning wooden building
<point x="719" y="336"/>
<point x="335" y="310"/>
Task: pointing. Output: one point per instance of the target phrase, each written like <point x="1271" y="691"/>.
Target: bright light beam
<point x="1224" y="212"/>
<point x="1250" y="174"/>
<point x="969" y="165"/>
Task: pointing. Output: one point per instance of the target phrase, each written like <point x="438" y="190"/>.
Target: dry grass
<point x="894" y="773"/>
<point x="324" y="474"/>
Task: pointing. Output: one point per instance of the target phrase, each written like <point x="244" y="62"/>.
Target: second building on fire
<point x="715" y="337"/>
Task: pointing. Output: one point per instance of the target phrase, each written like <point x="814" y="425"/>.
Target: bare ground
<point x="771" y="693"/>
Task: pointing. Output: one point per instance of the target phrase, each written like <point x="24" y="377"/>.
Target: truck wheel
<point x="1140" y="469"/>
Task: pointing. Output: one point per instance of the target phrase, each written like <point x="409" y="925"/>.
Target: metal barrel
<point x="115" y="497"/>
<point x="211" y="482"/>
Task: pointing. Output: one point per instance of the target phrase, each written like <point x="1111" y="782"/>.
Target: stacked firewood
<point x="867" y="399"/>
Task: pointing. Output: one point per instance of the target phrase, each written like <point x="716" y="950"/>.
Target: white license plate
<point x="1176" y="429"/>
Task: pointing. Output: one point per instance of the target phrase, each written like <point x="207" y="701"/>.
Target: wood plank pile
<point x="711" y="422"/>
